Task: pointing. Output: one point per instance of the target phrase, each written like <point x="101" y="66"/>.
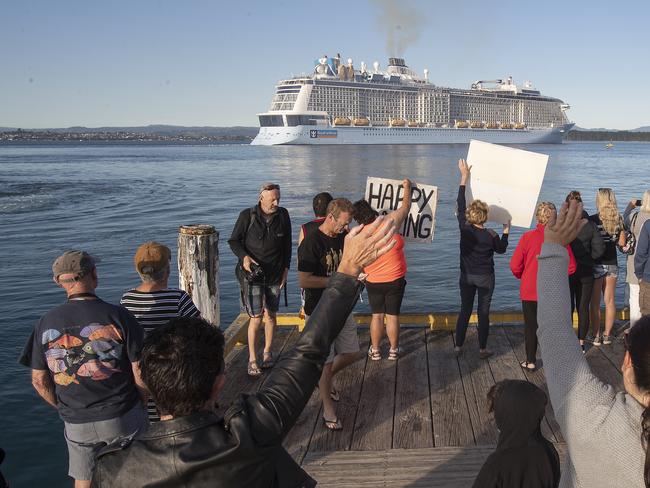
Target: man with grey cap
<point x="84" y="358"/>
<point x="261" y="239"/>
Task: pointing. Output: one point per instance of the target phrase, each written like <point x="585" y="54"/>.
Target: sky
<point x="216" y="63"/>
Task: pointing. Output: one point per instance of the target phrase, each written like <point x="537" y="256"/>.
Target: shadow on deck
<point x="418" y="421"/>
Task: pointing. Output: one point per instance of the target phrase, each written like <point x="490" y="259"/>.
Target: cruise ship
<point x="338" y="104"/>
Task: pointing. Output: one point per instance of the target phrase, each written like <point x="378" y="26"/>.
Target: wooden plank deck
<point x="418" y="421"/>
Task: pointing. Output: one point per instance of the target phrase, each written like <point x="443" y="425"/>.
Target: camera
<point x="256" y="274"/>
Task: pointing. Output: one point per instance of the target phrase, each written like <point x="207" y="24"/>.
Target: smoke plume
<point x="401" y="22"/>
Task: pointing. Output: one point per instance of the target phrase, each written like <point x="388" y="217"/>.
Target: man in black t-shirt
<point x="319" y="256"/>
<point x="84" y="358"/>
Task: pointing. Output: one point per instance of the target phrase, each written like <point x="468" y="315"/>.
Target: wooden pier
<point x="418" y="421"/>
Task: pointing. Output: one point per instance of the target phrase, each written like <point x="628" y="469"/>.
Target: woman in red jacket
<point x="523" y="265"/>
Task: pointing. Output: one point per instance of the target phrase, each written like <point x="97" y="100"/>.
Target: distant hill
<point x="645" y="128"/>
<point x="164" y="130"/>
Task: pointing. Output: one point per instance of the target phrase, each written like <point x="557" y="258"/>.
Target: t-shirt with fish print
<point x="88" y="347"/>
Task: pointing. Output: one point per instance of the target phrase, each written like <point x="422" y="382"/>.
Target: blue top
<point x="641" y="254"/>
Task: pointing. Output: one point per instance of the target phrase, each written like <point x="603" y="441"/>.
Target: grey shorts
<point x="86" y="440"/>
<point x="256" y="298"/>
<point x="605" y="270"/>
<point x="346" y="342"/>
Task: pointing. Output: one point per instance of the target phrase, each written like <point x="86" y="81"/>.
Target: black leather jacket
<point x="244" y="449"/>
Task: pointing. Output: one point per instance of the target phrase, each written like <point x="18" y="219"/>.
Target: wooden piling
<point x="198" y="268"/>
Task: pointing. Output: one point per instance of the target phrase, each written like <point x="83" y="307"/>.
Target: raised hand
<point x="365" y="243"/>
<point x="465" y="171"/>
<point x="564" y="228"/>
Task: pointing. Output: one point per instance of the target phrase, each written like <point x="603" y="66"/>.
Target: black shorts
<point x="386" y="297"/>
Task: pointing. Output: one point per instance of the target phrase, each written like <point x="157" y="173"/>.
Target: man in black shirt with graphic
<point x="84" y="358"/>
<point x="319" y="255"/>
<point x="261" y="240"/>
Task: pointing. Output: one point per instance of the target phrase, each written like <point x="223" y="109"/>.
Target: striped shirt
<point x="156" y="308"/>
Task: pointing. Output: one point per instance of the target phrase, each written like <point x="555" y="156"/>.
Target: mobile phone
<point x="638" y="203"/>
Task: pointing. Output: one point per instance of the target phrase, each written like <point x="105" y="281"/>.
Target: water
<point x="108" y="199"/>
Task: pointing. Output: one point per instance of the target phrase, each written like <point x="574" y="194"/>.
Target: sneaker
<point x="597" y="341"/>
<point x="607" y="340"/>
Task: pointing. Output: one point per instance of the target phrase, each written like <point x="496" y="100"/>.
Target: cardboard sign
<point x="386" y="195"/>
<point x="508" y="180"/>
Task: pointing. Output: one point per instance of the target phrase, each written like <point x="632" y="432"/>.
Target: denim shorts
<point x="255" y="298"/>
<point x="87" y="439"/>
<point x="605" y="270"/>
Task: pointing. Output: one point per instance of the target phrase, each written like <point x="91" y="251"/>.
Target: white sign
<point x="508" y="180"/>
<point x="386" y="195"/>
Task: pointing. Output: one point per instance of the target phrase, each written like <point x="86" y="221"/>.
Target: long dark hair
<point x="638" y="345"/>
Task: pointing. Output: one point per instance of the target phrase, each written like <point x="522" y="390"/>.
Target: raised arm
<point x="399" y="215"/>
<point x="574" y="390"/>
<point x="461" y="204"/>
<point x="273" y="411"/>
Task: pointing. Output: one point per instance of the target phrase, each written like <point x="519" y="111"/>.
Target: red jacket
<point x="523" y="263"/>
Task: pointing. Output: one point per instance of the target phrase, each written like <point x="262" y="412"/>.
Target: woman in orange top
<point x="385" y="278"/>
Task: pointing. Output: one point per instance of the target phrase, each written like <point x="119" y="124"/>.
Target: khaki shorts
<point x="346" y="342"/>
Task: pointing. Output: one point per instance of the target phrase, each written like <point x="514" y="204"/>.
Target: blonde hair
<point x="608" y="211"/>
<point x="544" y="211"/>
<point x="645" y="201"/>
<point x="477" y="212"/>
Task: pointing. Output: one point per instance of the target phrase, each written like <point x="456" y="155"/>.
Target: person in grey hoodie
<point x="606" y="432"/>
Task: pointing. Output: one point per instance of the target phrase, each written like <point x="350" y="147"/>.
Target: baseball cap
<point x="73" y="262"/>
<point x="151" y="257"/>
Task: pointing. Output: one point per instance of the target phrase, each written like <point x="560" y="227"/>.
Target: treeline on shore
<point x="598" y="135"/>
<point x="50" y="135"/>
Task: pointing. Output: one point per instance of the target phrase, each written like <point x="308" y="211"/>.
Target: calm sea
<point x="108" y="199"/>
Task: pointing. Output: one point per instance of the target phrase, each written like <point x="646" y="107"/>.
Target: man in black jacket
<point x="261" y="240"/>
<point x="182" y="365"/>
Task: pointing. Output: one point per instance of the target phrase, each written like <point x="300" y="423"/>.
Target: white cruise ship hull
<point x="303" y="134"/>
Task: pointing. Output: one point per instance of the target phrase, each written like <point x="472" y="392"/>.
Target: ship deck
<point x="419" y="421"/>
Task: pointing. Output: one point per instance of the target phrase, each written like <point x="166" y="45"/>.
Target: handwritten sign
<point x="385" y="195"/>
<point x="508" y="180"/>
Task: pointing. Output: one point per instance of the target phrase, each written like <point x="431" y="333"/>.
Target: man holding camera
<point x="261" y="240"/>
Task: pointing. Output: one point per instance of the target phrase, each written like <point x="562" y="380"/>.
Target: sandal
<point x="253" y="369"/>
<point x="374" y="354"/>
<point x="393" y="354"/>
<point x="528" y="366"/>
<point x="268" y="361"/>
<point x="334" y="395"/>
<point x="332" y="425"/>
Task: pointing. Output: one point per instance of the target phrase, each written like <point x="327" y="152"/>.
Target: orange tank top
<point x="389" y="267"/>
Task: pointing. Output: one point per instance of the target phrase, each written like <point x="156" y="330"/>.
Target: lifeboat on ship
<point x="397" y="122"/>
<point x="506" y="126"/>
<point x="461" y="124"/>
<point x="361" y="122"/>
<point x="342" y="121"/>
<point x="476" y="124"/>
<point x="492" y="125"/>
<point x="414" y="123"/>
<point x="519" y="125"/>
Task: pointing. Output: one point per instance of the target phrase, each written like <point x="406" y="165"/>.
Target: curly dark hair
<point x="180" y="362"/>
<point x="364" y="213"/>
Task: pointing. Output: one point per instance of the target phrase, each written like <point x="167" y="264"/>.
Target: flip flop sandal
<point x="528" y="366"/>
<point x="333" y="425"/>
<point x="334" y="394"/>
<point x="268" y="361"/>
<point x="254" y="370"/>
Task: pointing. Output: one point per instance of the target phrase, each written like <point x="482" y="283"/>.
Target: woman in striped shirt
<point x="152" y="303"/>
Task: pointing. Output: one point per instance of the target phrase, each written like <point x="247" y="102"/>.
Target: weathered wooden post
<point x="198" y="268"/>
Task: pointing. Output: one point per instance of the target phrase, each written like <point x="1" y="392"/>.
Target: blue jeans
<point x="469" y="285"/>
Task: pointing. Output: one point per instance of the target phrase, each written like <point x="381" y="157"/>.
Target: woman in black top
<point x="477" y="248"/>
<point x="610" y="224"/>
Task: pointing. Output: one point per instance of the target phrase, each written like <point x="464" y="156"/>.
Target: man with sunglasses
<point x="261" y="239"/>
